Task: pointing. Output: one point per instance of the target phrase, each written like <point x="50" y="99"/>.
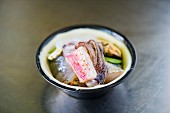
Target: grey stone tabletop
<point x="24" y="24"/>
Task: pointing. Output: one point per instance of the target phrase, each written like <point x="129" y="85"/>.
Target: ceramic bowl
<point x="85" y="92"/>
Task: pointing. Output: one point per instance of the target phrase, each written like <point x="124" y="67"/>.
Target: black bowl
<point x="88" y="93"/>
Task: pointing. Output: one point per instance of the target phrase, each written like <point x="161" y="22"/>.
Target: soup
<point x="85" y="58"/>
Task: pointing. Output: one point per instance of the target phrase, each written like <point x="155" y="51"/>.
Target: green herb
<point x="112" y="60"/>
<point x="52" y="50"/>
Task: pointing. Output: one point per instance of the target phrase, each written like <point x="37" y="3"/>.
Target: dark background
<point x="24" y="24"/>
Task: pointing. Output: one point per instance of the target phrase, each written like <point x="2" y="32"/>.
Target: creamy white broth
<point x="83" y="34"/>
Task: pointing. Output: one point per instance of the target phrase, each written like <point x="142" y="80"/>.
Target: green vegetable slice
<point x="112" y="60"/>
<point x="52" y="50"/>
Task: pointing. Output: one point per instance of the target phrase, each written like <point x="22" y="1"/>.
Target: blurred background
<point x="24" y="24"/>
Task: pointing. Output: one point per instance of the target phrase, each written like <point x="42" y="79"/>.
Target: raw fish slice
<point x="61" y="70"/>
<point x="82" y="65"/>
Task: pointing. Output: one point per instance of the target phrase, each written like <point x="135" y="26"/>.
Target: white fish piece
<point x="113" y="72"/>
<point x="82" y="65"/>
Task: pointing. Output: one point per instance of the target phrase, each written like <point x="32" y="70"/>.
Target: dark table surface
<point x="24" y="24"/>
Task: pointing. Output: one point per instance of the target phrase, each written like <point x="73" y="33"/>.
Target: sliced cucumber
<point x="112" y="60"/>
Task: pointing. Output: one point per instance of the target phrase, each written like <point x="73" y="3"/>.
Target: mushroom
<point x="110" y="49"/>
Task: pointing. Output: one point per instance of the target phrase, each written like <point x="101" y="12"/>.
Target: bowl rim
<point x="108" y="30"/>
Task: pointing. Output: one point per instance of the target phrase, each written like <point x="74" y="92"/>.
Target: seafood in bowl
<point x="85" y="58"/>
